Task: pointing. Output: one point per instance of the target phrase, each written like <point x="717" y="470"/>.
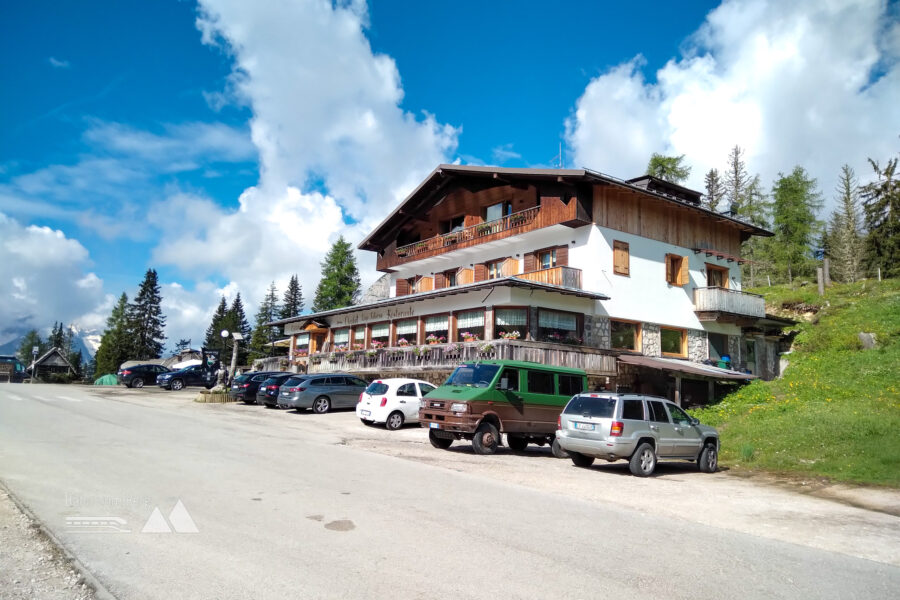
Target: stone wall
<point x="734" y="350"/>
<point x="698" y="350"/>
<point x="596" y="332"/>
<point x="650" y="344"/>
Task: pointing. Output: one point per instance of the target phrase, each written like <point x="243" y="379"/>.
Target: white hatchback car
<point x="392" y="402"/>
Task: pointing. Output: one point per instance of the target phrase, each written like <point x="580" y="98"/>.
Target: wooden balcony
<point x="445" y="357"/>
<point x="728" y="306"/>
<point x="552" y="212"/>
<point x="562" y="276"/>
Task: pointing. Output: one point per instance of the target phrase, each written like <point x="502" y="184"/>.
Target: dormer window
<point x="497" y="211"/>
<point x="547" y="259"/>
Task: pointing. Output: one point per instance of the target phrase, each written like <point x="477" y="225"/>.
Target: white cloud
<point x="814" y="84"/>
<point x="504" y="153"/>
<point x="44" y="278"/>
<point x="58" y="64"/>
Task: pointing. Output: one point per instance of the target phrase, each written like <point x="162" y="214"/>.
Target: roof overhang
<point x="441" y="179"/>
<point x="510" y="282"/>
<point x="683" y="366"/>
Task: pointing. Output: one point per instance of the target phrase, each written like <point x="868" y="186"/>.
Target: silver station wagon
<point x="640" y="429"/>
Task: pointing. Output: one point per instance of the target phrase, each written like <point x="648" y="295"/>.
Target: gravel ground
<point x="31" y="567"/>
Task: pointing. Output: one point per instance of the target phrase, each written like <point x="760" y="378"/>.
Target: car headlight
<point x="459" y="407"/>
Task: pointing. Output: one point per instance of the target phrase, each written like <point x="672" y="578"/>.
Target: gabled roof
<point x="439" y="181"/>
<point x="47" y="355"/>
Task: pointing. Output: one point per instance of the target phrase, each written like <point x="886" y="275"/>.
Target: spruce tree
<point x="31" y="339"/>
<point x="715" y="190"/>
<point x="116" y="343"/>
<point x="292" y="305"/>
<point x="668" y="168"/>
<point x="213" y="338"/>
<point x="796" y="202"/>
<point x="843" y="239"/>
<point x="57" y="338"/>
<point x="145" y="319"/>
<point x="264" y="335"/>
<point x="236" y="321"/>
<point x="881" y="204"/>
<point x="755" y="209"/>
<point x="736" y="180"/>
<point x="339" y="286"/>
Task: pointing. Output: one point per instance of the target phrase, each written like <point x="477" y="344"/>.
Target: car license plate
<point x="285" y="393"/>
<point x="585" y="426"/>
<point x="234" y="387"/>
<point x="364" y="413"/>
<point x="434" y="425"/>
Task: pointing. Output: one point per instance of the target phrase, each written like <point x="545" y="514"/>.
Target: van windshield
<point x="593" y="408"/>
<point x="473" y="375"/>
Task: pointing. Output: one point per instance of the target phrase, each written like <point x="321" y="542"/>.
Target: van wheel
<point x="643" y="461"/>
<point x="321" y="405"/>
<point x="581" y="460"/>
<point x="486" y="439"/>
<point x="557" y="450"/>
<point x="709" y="459"/>
<point x="517" y="443"/>
<point x="439" y="442"/>
<point x="394" y="421"/>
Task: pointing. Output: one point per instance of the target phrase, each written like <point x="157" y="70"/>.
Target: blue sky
<point x="228" y="146"/>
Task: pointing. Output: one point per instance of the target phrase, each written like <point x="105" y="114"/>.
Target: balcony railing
<point x="711" y="300"/>
<point x="449" y="356"/>
<point x="552" y="212"/>
<point x="563" y="276"/>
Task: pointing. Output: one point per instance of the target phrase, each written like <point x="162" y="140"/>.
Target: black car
<point x="268" y="389"/>
<point x="11" y="369"/>
<point x="245" y="386"/>
<point x="193" y="375"/>
<point x="138" y="375"/>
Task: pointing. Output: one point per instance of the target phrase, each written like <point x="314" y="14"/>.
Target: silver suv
<point x="638" y="428"/>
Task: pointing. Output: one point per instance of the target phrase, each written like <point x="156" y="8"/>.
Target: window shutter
<point x="481" y="272"/>
<point x="530" y="262"/>
<point x="510" y="267"/>
<point x="620" y="258"/>
<point x="402" y="287"/>
<point x="685" y="276"/>
<point x="439" y="281"/>
<point x="562" y="256"/>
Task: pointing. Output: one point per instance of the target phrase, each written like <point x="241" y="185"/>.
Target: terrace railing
<point x="722" y="300"/>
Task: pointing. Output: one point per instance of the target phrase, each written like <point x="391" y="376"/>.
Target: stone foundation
<point x="596" y="332"/>
<point x="650" y="343"/>
<point x="698" y="349"/>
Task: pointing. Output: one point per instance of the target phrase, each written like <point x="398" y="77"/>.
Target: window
<point x="512" y="380"/>
<point x="621" y="258"/>
<point x="592" y="408"/>
<point x="376" y="387"/>
<point x="301" y="343"/>
<point x="470" y="326"/>
<point x="672" y="341"/>
<point x="359" y="337"/>
<point x="426" y="387"/>
<point x="407" y="332"/>
<point x="657" y="411"/>
<point x="454" y="224"/>
<point x="679" y="417"/>
<point x="495" y="269"/>
<point x="407" y="389"/>
<point x="624" y="335"/>
<point x="676" y="269"/>
<point x="450" y="278"/>
<point x="341" y="337"/>
<point x="540" y="382"/>
<point x="437" y="329"/>
<point x="476" y="375"/>
<point x="556" y="326"/>
<point x="716" y="276"/>
<point x="497" y="211"/>
<point x="633" y="409"/>
<point x="510" y="323"/>
<point x="718" y="345"/>
<point x="570" y="385"/>
<point x="381" y="333"/>
<point x="547" y="259"/>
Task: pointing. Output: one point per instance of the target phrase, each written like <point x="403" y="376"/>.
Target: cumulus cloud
<point x="44" y="277"/>
<point x="58" y="64"/>
<point x="814" y="84"/>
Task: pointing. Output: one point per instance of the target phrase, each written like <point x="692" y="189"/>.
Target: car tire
<point x="321" y="405"/>
<point x="394" y="421"/>
<point x="439" y="442"/>
<point x="643" y="461"/>
<point x="517" y="443"/>
<point x="581" y="460"/>
<point x="176" y="385"/>
<point x="486" y="439"/>
<point x="137" y="382"/>
<point x="709" y="459"/>
<point x="557" y="450"/>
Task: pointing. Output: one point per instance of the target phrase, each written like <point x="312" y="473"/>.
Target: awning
<point x="683" y="366"/>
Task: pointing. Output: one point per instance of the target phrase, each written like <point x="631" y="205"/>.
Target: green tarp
<point x="107" y="380"/>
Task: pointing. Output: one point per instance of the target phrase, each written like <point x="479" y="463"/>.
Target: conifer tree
<point x="145" y="319"/>
<point x="292" y="305"/>
<point x="796" y="202"/>
<point x="213" y="338"/>
<point x="236" y="321"/>
<point x="116" y="343"/>
<point x="339" y="286"/>
<point x="668" y="168"/>
<point x="881" y="204"/>
<point x="844" y="242"/>
<point x="755" y="209"/>
<point x="31" y="339"/>
<point x="715" y="190"/>
<point x="264" y="335"/>
<point x="736" y="180"/>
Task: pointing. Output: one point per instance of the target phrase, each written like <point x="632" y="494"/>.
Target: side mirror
<point x="695" y="421"/>
<point x="504" y="383"/>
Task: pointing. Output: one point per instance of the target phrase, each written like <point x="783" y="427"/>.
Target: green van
<point x="481" y="400"/>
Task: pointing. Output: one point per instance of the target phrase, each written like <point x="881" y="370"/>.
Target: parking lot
<point x="297" y="503"/>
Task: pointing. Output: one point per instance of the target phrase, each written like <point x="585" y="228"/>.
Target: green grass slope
<point x="835" y="412"/>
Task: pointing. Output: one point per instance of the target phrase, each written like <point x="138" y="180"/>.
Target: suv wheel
<point x="581" y="460"/>
<point x="643" y="461"/>
<point x="137" y="382"/>
<point x="709" y="459"/>
<point x="439" y="442"/>
<point x="321" y="405"/>
<point x="557" y="450"/>
<point x="486" y="439"/>
<point x="177" y="384"/>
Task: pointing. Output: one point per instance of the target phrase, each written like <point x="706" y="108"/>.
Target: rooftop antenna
<point x="558" y="157"/>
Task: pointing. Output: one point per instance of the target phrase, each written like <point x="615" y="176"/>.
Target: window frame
<point x="551" y="254"/>
<point x="638" y="335"/>
<point x="622" y="247"/>
<point x="496" y="326"/>
<point x="676" y="269"/>
<point x="579" y="323"/>
<point x="725" y="271"/>
<point x="529" y="371"/>
<point x="423" y="323"/>
<point x="494" y="265"/>
<point x="682" y="345"/>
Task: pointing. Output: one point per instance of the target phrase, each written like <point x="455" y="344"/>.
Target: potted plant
<point x="510" y="335"/>
<point x="468" y="336"/>
<point x="371" y="354"/>
<point x="377" y="345"/>
<point x="403" y="342"/>
<point x="435" y="339"/>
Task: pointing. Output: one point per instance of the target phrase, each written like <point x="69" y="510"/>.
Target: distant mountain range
<point x="87" y="341"/>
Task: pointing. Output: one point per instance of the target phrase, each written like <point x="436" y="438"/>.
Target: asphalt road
<point x="275" y="506"/>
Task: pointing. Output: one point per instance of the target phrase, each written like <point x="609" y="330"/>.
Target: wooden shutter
<point x="562" y="256"/>
<point x="402" y="287"/>
<point x="425" y="284"/>
<point x="464" y="276"/>
<point x="685" y="276"/>
<point x="481" y="272"/>
<point x="440" y="281"/>
<point x="620" y="258"/>
<point x="530" y="262"/>
<point x="510" y="267"/>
